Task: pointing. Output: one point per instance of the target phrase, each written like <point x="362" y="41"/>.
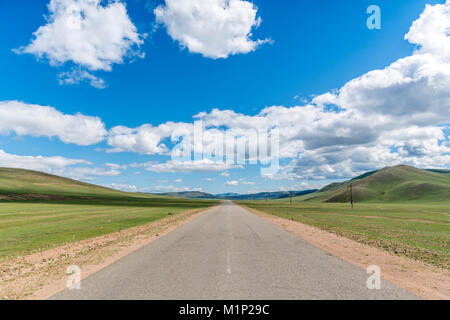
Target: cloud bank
<point x="398" y="114"/>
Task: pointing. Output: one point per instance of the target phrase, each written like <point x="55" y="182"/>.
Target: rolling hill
<point x="24" y="184"/>
<point x="397" y="183"/>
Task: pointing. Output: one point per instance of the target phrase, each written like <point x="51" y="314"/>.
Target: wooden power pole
<point x="351" y="194"/>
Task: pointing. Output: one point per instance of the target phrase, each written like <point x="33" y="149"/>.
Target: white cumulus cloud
<point x="169" y="188"/>
<point x="431" y="30"/>
<point x="146" y="139"/>
<point x="43" y="121"/>
<point x="57" y="165"/>
<point x="39" y="163"/>
<point x="213" y="28"/>
<point x="88" y="33"/>
<point x="75" y="76"/>
<point x="204" y="165"/>
<point x="122" y="187"/>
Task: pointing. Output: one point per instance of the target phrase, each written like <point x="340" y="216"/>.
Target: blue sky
<point x="313" y="48"/>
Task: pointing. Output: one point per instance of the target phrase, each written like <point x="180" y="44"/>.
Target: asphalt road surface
<point x="230" y="253"/>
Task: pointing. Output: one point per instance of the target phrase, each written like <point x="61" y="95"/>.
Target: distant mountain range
<point x="397" y="183"/>
<point x="391" y="184"/>
<point x="21" y="184"/>
<point x="237" y="196"/>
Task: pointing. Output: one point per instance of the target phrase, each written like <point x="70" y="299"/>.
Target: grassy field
<point x="41" y="211"/>
<point x="420" y="230"/>
<point x="28" y="226"/>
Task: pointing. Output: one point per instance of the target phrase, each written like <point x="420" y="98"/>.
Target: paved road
<point x="230" y="253"/>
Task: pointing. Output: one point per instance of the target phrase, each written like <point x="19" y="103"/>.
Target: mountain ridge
<point x="397" y="183"/>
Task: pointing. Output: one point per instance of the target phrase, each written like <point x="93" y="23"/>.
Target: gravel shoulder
<point x="42" y="274"/>
<point x="426" y="281"/>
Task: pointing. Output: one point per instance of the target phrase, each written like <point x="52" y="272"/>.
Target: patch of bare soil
<point x="427" y="282"/>
<point x="40" y="275"/>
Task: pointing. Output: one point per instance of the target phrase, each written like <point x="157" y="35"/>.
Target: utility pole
<point x="290" y="199"/>
<point x="351" y="194"/>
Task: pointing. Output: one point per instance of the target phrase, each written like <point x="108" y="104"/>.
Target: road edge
<point x="41" y="277"/>
<point x="425" y="281"/>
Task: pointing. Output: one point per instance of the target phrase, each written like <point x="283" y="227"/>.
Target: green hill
<point x="26" y="184"/>
<point x="393" y="184"/>
<point x="39" y="211"/>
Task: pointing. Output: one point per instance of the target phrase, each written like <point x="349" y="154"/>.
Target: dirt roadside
<point x="427" y="282"/>
<point x="42" y="274"/>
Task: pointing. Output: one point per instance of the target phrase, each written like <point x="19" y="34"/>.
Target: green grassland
<point x="402" y="209"/>
<point x="419" y="230"/>
<point x="85" y="211"/>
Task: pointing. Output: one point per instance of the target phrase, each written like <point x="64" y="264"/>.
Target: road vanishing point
<point x="230" y="253"/>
